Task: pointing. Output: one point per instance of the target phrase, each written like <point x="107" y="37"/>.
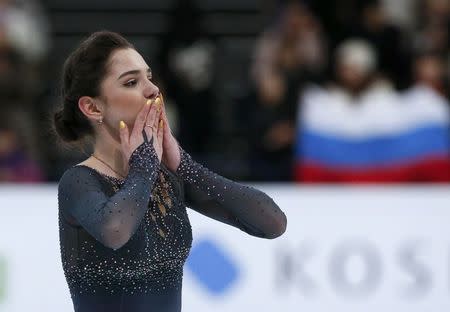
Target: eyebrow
<point x="133" y="72"/>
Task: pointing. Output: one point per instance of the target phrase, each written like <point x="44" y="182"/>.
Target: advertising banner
<point x="345" y="249"/>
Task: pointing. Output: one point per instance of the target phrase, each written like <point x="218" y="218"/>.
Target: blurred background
<point x="258" y="90"/>
<point x="338" y="109"/>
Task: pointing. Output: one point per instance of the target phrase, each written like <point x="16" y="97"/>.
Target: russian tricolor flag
<point x="382" y="136"/>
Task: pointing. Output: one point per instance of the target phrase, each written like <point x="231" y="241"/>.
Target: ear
<point x="90" y="108"/>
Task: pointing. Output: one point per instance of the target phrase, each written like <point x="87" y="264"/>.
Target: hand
<point x="171" y="152"/>
<point x="147" y="121"/>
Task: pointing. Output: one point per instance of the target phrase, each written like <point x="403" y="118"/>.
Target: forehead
<point x="125" y="60"/>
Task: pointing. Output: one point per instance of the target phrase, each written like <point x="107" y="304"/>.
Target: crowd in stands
<point x="344" y="91"/>
<point x="364" y="101"/>
<point x="24" y="41"/>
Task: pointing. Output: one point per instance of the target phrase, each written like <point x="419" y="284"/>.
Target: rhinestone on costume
<point x="152" y="260"/>
<point x="125" y="237"/>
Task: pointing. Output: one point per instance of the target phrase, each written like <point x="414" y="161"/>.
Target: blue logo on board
<point x="212" y="267"/>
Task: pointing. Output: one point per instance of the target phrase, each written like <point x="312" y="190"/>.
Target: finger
<point x="148" y="132"/>
<point x="149" y="127"/>
<point x="166" y="121"/>
<point x="124" y="134"/>
<point x="163" y="112"/>
<point x="158" y="118"/>
<point x="161" y="96"/>
<point x="163" y="107"/>
<point x="160" y="130"/>
<point x="161" y="124"/>
<point x="141" y="117"/>
<point x="166" y="129"/>
<point x="153" y="114"/>
<point x="157" y="126"/>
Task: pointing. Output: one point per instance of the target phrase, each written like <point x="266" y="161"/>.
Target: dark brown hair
<point x="82" y="75"/>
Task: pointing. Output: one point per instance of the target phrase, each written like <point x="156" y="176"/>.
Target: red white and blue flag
<point x="382" y="137"/>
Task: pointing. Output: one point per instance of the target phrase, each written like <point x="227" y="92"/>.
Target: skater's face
<point x="126" y="87"/>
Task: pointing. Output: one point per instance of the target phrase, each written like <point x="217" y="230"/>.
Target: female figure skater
<point x="124" y="230"/>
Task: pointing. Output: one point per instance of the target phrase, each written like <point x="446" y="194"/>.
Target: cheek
<point x="125" y="106"/>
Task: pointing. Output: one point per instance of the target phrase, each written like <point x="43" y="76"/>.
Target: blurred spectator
<point x="357" y="69"/>
<point x="361" y="130"/>
<point x="15" y="162"/>
<point x="187" y="71"/>
<point x="401" y="12"/>
<point x="429" y="70"/>
<point x="25" y="27"/>
<point x="433" y="10"/>
<point x="429" y="111"/>
<point x="17" y="134"/>
<point x="23" y="46"/>
<point x="289" y="53"/>
<point x="373" y="25"/>
<point x="293" y="46"/>
<point x="11" y="71"/>
<point x="433" y="27"/>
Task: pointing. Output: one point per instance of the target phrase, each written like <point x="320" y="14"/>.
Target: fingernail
<point x="149" y="101"/>
<point x="158" y="101"/>
<point x="121" y="124"/>
<point x="161" y="123"/>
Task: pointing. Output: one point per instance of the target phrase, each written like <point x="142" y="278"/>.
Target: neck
<point x="109" y="150"/>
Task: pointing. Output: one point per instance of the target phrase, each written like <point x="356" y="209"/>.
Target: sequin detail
<point x="146" y="205"/>
<point x="133" y="236"/>
<point x="240" y="205"/>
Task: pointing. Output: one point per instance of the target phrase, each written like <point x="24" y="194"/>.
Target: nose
<point x="151" y="90"/>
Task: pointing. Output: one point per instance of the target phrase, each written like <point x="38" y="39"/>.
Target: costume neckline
<point x="101" y="173"/>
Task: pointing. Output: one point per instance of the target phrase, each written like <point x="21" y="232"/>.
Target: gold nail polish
<point x="161" y="123"/>
<point x="149" y="101"/>
<point x="121" y="124"/>
<point x="158" y="101"/>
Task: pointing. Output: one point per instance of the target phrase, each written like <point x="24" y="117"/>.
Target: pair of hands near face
<point x="151" y="120"/>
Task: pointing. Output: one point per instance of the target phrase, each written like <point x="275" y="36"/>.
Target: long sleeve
<point x="112" y="220"/>
<point x="244" y="207"/>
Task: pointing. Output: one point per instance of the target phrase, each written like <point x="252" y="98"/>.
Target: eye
<point x="130" y="83"/>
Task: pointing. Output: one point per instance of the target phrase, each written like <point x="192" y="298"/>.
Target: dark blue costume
<point x="124" y="241"/>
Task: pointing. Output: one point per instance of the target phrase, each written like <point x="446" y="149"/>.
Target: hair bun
<point x="64" y="128"/>
<point x="83" y="71"/>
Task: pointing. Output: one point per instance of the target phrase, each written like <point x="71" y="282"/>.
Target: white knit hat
<point x="358" y="53"/>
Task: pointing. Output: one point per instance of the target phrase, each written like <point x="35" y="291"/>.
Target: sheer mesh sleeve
<point x="112" y="220"/>
<point x="244" y="207"/>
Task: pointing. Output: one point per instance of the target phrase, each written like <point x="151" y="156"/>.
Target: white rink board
<point x="346" y="249"/>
